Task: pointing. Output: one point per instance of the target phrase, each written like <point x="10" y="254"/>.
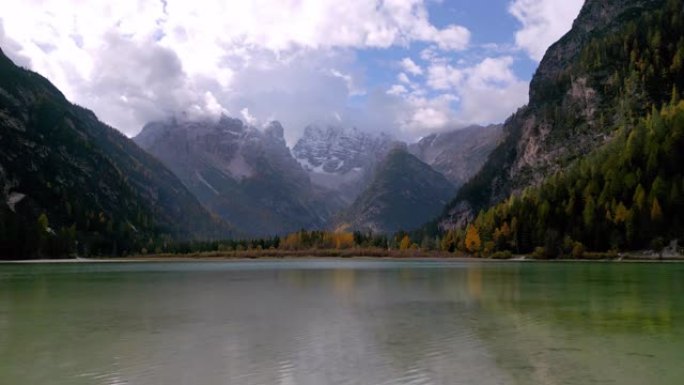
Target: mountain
<point x="245" y="175"/>
<point x="458" y="154"/>
<point x="341" y="160"/>
<point x="403" y="194"/>
<point x="70" y="183"/>
<point x="620" y="58"/>
<point x="593" y="161"/>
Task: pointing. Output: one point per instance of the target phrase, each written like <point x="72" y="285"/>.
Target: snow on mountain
<point x="341" y="159"/>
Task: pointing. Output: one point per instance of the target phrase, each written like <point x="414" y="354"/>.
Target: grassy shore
<point x="635" y="256"/>
<point x="312" y="253"/>
<point x="356" y="253"/>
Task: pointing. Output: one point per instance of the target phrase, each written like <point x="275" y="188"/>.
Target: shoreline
<point x="636" y="257"/>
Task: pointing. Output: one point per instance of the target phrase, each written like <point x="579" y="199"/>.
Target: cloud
<point x="411" y="67"/>
<point x="453" y="38"/>
<point x="11" y="48"/>
<point x="543" y="23"/>
<point x="483" y="93"/>
<point x="397" y="89"/>
<point x="134" y="61"/>
<point x="444" y="76"/>
<point x="491" y="91"/>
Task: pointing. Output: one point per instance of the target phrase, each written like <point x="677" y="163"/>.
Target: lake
<point x="341" y="322"/>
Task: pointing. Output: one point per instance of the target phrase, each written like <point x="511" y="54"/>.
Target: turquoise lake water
<point x="342" y="322"/>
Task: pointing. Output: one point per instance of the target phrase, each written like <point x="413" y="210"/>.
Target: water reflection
<point x="342" y="323"/>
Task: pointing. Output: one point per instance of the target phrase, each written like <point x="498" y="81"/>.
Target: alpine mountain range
<point x="612" y="83"/>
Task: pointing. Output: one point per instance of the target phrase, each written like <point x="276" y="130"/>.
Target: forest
<point x="629" y="195"/>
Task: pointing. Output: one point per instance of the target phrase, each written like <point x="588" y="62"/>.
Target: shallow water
<point x="341" y="322"/>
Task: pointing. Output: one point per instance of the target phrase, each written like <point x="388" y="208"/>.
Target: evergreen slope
<point x="620" y="58"/>
<point x="594" y="160"/>
<point x="70" y="183"/>
<point x="627" y="195"/>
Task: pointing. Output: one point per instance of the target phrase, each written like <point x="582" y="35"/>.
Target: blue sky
<point x="490" y="22"/>
<point x="492" y="28"/>
<point x="406" y="67"/>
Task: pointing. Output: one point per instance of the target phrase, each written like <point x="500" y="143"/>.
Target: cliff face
<point x="585" y="86"/>
<point x="341" y="160"/>
<point x="458" y="154"/>
<point x="244" y="174"/>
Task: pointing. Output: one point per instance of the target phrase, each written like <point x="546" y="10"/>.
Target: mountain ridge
<point x="245" y="175"/>
<point x="71" y="183"/>
<point x="404" y="193"/>
<point x="574" y="103"/>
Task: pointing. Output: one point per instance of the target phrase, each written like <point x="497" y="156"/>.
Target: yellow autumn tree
<point x="405" y="243"/>
<point x="291" y="242"/>
<point x="343" y="240"/>
<point x="656" y="211"/>
<point x="473" y="242"/>
<point x="506" y="230"/>
<point x="622" y="214"/>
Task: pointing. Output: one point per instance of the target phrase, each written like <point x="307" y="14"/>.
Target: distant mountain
<point x="403" y="194"/>
<point x="356" y="166"/>
<point x="458" y="154"/>
<point x="71" y="183"/>
<point x="341" y="160"/>
<point x="245" y="175"/>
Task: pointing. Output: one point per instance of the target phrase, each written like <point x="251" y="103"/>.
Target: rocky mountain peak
<point x="595" y="16"/>
<point x="340" y="159"/>
<point x="240" y="172"/>
<point x="275" y="131"/>
<point x="458" y="154"/>
<point x="336" y="150"/>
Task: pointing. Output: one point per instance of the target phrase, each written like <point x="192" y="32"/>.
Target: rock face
<point x="341" y="160"/>
<point x="458" y="154"/>
<point x="356" y="167"/>
<point x="91" y="183"/>
<point x="577" y="97"/>
<point x="245" y="175"/>
<point x="404" y="193"/>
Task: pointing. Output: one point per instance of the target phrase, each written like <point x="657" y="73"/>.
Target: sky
<point x="405" y="67"/>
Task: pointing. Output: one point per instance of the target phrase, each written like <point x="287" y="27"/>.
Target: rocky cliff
<point x="341" y="160"/>
<point x="600" y="75"/>
<point x="244" y="174"/>
<point x="458" y="154"/>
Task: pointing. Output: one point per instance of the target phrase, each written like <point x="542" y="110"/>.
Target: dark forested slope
<point x="70" y="183"/>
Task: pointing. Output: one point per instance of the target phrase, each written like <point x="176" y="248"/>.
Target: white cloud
<point x="411" y="67"/>
<point x="444" y="76"/>
<point x="543" y="23"/>
<point x="397" y="89"/>
<point x="132" y="61"/>
<point x="487" y="92"/>
<point x="491" y="92"/>
<point x="403" y="78"/>
<point x="247" y="117"/>
<point x="452" y="38"/>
